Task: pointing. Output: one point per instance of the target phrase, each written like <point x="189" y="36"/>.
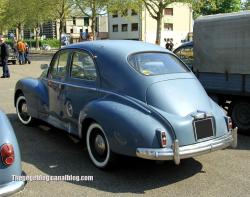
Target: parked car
<point x="46" y="47"/>
<point x="12" y="55"/>
<point x="137" y="100"/>
<point x="186" y="53"/>
<point x="10" y="161"/>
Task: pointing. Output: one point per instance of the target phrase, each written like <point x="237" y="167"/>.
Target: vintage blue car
<point x="10" y="161"/>
<point x="128" y="98"/>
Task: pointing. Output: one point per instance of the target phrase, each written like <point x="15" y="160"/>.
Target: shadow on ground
<point x="54" y="153"/>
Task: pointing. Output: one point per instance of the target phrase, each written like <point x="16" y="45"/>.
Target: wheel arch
<point x="17" y="93"/>
<point x="126" y="128"/>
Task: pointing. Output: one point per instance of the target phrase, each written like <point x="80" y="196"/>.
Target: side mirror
<point x="44" y="66"/>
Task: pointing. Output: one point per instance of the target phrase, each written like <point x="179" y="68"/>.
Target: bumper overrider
<point x="12" y="187"/>
<point x="177" y="153"/>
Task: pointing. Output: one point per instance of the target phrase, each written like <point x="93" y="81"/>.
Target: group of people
<point x="169" y="44"/>
<point x="21" y="49"/>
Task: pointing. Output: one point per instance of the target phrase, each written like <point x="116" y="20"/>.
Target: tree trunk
<point x="37" y="32"/>
<point x="93" y="27"/>
<point x="61" y="31"/>
<point x="19" y="32"/>
<point x="159" y="23"/>
<point x="158" y="32"/>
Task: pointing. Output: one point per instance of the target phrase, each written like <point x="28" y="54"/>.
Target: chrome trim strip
<point x="11" y="187"/>
<point x="176" y="153"/>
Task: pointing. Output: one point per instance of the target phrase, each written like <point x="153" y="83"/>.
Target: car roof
<point x="186" y="44"/>
<point x="111" y="47"/>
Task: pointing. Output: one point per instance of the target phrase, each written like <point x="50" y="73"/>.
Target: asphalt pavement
<point x="49" y="151"/>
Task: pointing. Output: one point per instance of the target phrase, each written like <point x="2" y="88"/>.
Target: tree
<point x="61" y="10"/>
<point x="92" y="9"/>
<point x="16" y="14"/>
<point x="42" y="12"/>
<point x="155" y="9"/>
<point x="207" y="7"/>
<point x="246" y="5"/>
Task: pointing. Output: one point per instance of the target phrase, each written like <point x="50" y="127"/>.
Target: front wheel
<point x="98" y="147"/>
<point x="22" y="110"/>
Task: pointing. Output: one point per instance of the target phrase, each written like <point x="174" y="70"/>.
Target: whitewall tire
<point x="98" y="147"/>
<point x="22" y="110"/>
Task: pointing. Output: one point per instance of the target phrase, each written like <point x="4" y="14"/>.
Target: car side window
<point x="83" y="66"/>
<point x="186" y="54"/>
<point x="58" y="67"/>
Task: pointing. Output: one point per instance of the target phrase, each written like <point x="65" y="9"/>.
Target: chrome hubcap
<point x="100" y="145"/>
<point x="24" y="108"/>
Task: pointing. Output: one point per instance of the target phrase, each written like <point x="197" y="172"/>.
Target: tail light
<point x="7" y="154"/>
<point x="229" y="123"/>
<point x="162" y="137"/>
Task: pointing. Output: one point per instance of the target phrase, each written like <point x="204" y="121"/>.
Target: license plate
<point x="204" y="128"/>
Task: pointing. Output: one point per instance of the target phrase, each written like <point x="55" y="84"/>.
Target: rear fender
<point x="127" y="126"/>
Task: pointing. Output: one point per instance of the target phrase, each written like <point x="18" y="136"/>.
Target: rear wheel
<point x="240" y="113"/>
<point x="98" y="147"/>
<point x="22" y="110"/>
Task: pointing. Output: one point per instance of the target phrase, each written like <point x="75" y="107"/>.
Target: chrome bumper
<point x="177" y="153"/>
<point x="11" y="187"/>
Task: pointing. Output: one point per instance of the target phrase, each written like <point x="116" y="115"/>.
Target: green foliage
<point x="207" y="7"/>
<point x="54" y="43"/>
<point x="246" y="5"/>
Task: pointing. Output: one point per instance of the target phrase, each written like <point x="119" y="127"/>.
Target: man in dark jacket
<point x="4" y="58"/>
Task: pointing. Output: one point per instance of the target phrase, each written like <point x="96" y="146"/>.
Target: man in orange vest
<point x="21" y="50"/>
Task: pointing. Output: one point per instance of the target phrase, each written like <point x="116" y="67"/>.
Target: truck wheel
<point x="240" y="113"/>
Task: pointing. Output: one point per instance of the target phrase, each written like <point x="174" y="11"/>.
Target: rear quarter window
<point x="156" y="64"/>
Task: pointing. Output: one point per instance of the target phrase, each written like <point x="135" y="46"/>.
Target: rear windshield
<point x="156" y="64"/>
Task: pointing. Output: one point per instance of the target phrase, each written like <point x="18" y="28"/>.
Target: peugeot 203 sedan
<point x="10" y="161"/>
<point x="127" y="98"/>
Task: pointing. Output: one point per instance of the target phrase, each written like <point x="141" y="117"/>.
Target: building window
<point x="86" y="21"/>
<point x="168" y="11"/>
<point x="134" y="27"/>
<point x="115" y="28"/>
<point x="134" y="13"/>
<point x="71" y="31"/>
<point x="124" y="27"/>
<point x="115" y="14"/>
<point x="74" y="20"/>
<point x="168" y="26"/>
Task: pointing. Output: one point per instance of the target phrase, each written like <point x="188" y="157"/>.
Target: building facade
<point x="177" y="23"/>
<point x="75" y="26"/>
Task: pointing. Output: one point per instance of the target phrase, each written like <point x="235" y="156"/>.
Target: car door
<point x="81" y="86"/>
<point x="56" y="82"/>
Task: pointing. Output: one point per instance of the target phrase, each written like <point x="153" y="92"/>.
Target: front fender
<point x="127" y="126"/>
<point x="36" y="94"/>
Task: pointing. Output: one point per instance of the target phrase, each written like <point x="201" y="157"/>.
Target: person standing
<point x="4" y="58"/>
<point x="26" y="53"/>
<point x="171" y="45"/>
<point x="167" y="45"/>
<point x="21" y="51"/>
